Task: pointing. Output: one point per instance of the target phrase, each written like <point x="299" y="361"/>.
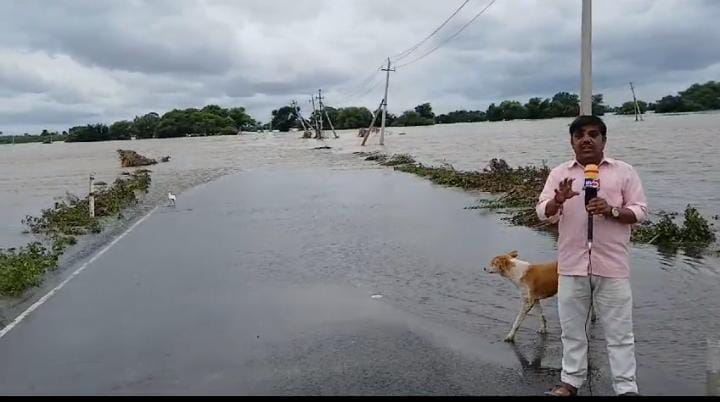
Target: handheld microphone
<point x="591" y="186"/>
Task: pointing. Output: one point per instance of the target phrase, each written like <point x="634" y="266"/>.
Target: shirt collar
<point x="607" y="160"/>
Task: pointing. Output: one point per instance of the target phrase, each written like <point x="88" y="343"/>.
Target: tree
<point x="536" y="108"/>
<point x="494" y="113"/>
<point x="215" y="110"/>
<point x="702" y="96"/>
<point x="45" y="133"/>
<point x="121" y="130"/>
<point x="598" y="108"/>
<point x="284" y="119"/>
<point x="145" y="126"/>
<point x="564" y="104"/>
<point x="352" y="117"/>
<point x="89" y="133"/>
<point x="175" y="123"/>
<point x="241" y="118"/>
<point x="511" y="110"/>
<point x="425" y="111"/>
<point x="696" y="98"/>
<point x="461" y="116"/>
<point x="669" y="104"/>
<point x="629" y="107"/>
<point x="412" y="118"/>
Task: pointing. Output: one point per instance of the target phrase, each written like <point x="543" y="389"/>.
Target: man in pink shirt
<point x="602" y="273"/>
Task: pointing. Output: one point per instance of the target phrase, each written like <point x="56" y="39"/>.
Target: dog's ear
<point x="513" y="254"/>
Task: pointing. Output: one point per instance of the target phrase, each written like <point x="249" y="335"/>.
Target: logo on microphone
<point x="592" y="183"/>
<point x="592" y="179"/>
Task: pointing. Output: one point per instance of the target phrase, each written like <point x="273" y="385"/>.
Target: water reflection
<point x="533" y="367"/>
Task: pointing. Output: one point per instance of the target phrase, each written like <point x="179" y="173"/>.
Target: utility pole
<point x="322" y="110"/>
<point x="637" y="107"/>
<point x="317" y="126"/>
<point x="331" y="125"/>
<point x="586" y="59"/>
<point x="372" y="123"/>
<point x="299" y="116"/>
<point x="384" y="111"/>
<point x="91" y="196"/>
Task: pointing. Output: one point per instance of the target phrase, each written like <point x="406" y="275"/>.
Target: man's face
<point x="588" y="144"/>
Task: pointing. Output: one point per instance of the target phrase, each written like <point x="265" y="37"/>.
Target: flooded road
<point x="261" y="283"/>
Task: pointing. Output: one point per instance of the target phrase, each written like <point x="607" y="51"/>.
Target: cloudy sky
<point x="72" y="62"/>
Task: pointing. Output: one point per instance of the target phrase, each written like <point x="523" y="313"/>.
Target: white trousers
<point x="612" y="299"/>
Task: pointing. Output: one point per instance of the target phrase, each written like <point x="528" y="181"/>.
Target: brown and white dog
<point x="535" y="281"/>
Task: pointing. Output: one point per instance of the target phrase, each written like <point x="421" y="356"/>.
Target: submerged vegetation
<point x="519" y="188"/>
<point x="695" y="234"/>
<point x="129" y="158"/>
<point x="25" y="267"/>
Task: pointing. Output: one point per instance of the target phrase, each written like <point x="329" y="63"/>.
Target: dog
<point x="535" y="282"/>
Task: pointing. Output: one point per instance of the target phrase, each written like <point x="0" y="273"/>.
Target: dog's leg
<point x="526" y="307"/>
<point x="543" y="325"/>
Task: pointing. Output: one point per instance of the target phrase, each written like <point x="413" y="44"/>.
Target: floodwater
<point x="676" y="296"/>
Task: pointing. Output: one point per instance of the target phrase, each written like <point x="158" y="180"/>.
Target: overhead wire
<point x="451" y="37"/>
<point x="411" y="49"/>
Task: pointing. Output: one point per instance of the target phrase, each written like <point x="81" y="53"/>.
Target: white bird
<point x="172" y="198"/>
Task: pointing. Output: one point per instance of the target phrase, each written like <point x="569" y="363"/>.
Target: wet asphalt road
<point x="225" y="294"/>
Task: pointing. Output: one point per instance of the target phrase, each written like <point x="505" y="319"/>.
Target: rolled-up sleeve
<point x="634" y="196"/>
<point x="548" y="194"/>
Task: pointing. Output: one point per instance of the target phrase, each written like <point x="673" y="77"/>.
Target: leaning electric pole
<point x="638" y="112"/>
<point x="586" y="60"/>
<point x="315" y="120"/>
<point x="320" y="115"/>
<point x="324" y="112"/>
<point x="384" y="110"/>
<point x="295" y="107"/>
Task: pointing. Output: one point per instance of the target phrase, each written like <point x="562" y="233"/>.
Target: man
<point x="602" y="272"/>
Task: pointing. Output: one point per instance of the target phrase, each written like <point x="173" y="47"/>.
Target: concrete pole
<point x="637" y="107"/>
<point x="331" y="125"/>
<point x="586" y="60"/>
<point x="297" y="112"/>
<point x="317" y="125"/>
<point x="321" y="109"/>
<point x="384" y="110"/>
<point x="91" y="196"/>
<point x="372" y="123"/>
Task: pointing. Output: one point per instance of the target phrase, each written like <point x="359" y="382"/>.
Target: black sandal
<point x="562" y="389"/>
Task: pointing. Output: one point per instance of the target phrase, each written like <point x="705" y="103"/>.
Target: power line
<point x="360" y="87"/>
<point x="404" y="54"/>
<point x="450" y="37"/>
<point x="359" y="95"/>
<point x="408" y="51"/>
<point x="371" y="84"/>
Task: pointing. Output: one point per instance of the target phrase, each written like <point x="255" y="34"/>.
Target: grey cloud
<point x="130" y="57"/>
<point x="150" y="37"/>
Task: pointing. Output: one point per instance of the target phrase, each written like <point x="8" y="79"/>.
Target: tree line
<point x="45" y="137"/>
<point x="215" y="120"/>
<point x="563" y="104"/>
<point x="210" y="120"/>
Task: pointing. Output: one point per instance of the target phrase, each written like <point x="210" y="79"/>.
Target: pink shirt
<point x="620" y="186"/>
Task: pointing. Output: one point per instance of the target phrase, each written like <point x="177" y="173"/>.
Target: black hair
<point x="582" y="121"/>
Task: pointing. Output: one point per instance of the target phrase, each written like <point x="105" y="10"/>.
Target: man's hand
<point x="564" y="191"/>
<point x="598" y="206"/>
